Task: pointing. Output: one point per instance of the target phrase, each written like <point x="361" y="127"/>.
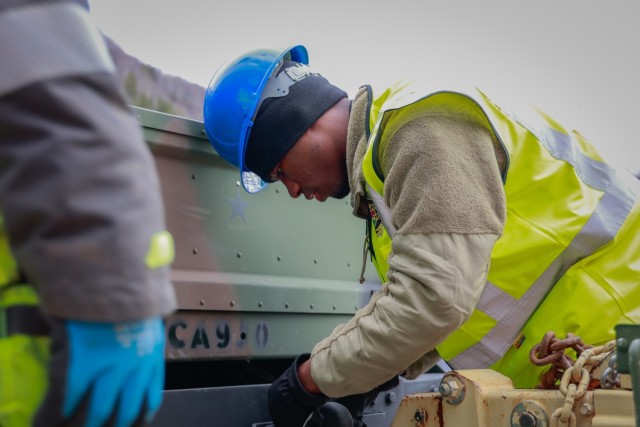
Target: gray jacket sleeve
<point x="80" y="198"/>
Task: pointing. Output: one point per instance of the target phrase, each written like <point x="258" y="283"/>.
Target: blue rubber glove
<point x="104" y="373"/>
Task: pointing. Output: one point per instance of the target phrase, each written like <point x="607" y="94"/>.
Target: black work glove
<point x="331" y="414"/>
<point x="289" y="403"/>
<point x="356" y="403"/>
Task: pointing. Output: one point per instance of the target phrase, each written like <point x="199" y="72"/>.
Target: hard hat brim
<point x="232" y="101"/>
<point x="251" y="182"/>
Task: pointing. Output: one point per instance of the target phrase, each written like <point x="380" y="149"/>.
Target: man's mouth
<point x="311" y="196"/>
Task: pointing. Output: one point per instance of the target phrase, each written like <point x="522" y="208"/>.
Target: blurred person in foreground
<point x="84" y="254"/>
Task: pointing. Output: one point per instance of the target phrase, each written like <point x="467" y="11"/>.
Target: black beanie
<point x="281" y="121"/>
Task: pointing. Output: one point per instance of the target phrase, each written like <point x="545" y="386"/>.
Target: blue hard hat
<point x="232" y="100"/>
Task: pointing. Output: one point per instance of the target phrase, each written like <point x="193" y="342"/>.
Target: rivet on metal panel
<point x="279" y="258"/>
<point x="315" y="261"/>
<point x="202" y="132"/>
<point x="286" y="305"/>
<point x="195" y="251"/>
<point x="348" y="264"/>
<point x="277" y="191"/>
<point x="232" y="303"/>
<point x="194" y="176"/>
<point x="260" y="304"/>
<point x="334" y="307"/>
<point x="237" y="183"/>
<point x="239" y="254"/>
<point x="420" y="415"/>
<point x="311" y="306"/>
<point x="201" y="302"/>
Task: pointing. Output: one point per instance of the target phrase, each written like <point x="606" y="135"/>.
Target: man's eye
<point x="277" y="174"/>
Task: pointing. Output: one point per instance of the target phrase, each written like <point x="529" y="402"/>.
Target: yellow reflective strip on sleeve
<point x="18" y="295"/>
<point x="45" y="41"/>
<point x="161" y="250"/>
<point x="8" y="266"/>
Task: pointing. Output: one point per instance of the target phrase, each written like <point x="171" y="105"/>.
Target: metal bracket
<point x="628" y="359"/>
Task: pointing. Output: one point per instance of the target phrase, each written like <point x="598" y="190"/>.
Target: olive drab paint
<point x="256" y="276"/>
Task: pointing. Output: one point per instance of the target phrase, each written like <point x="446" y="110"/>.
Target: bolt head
<point x="445" y="389"/>
<point x="449" y="389"/>
<point x="586" y="409"/>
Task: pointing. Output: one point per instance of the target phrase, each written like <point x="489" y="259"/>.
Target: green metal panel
<point x="220" y="335"/>
<point x="288" y="266"/>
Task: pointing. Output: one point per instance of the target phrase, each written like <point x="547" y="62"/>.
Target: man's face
<point x="315" y="166"/>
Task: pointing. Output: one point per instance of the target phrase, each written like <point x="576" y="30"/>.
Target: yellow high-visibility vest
<point x="569" y="257"/>
<point x="23" y="358"/>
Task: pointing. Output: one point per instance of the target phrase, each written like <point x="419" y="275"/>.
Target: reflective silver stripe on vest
<point x="44" y="41"/>
<point x="495" y="302"/>
<point x="611" y="211"/>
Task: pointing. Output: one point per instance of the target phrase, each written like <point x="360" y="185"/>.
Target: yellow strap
<point x="161" y="250"/>
<point x="18" y="294"/>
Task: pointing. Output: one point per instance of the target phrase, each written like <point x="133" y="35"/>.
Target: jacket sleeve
<point x="78" y="189"/>
<point x="443" y="186"/>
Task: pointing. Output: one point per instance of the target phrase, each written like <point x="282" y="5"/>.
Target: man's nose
<point x="293" y="188"/>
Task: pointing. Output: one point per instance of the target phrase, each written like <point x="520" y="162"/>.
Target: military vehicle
<point x="261" y="279"/>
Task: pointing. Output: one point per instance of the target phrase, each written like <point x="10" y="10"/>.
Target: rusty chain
<point x="574" y="375"/>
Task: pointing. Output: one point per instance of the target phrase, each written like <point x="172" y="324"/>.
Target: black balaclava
<point x="281" y="121"/>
